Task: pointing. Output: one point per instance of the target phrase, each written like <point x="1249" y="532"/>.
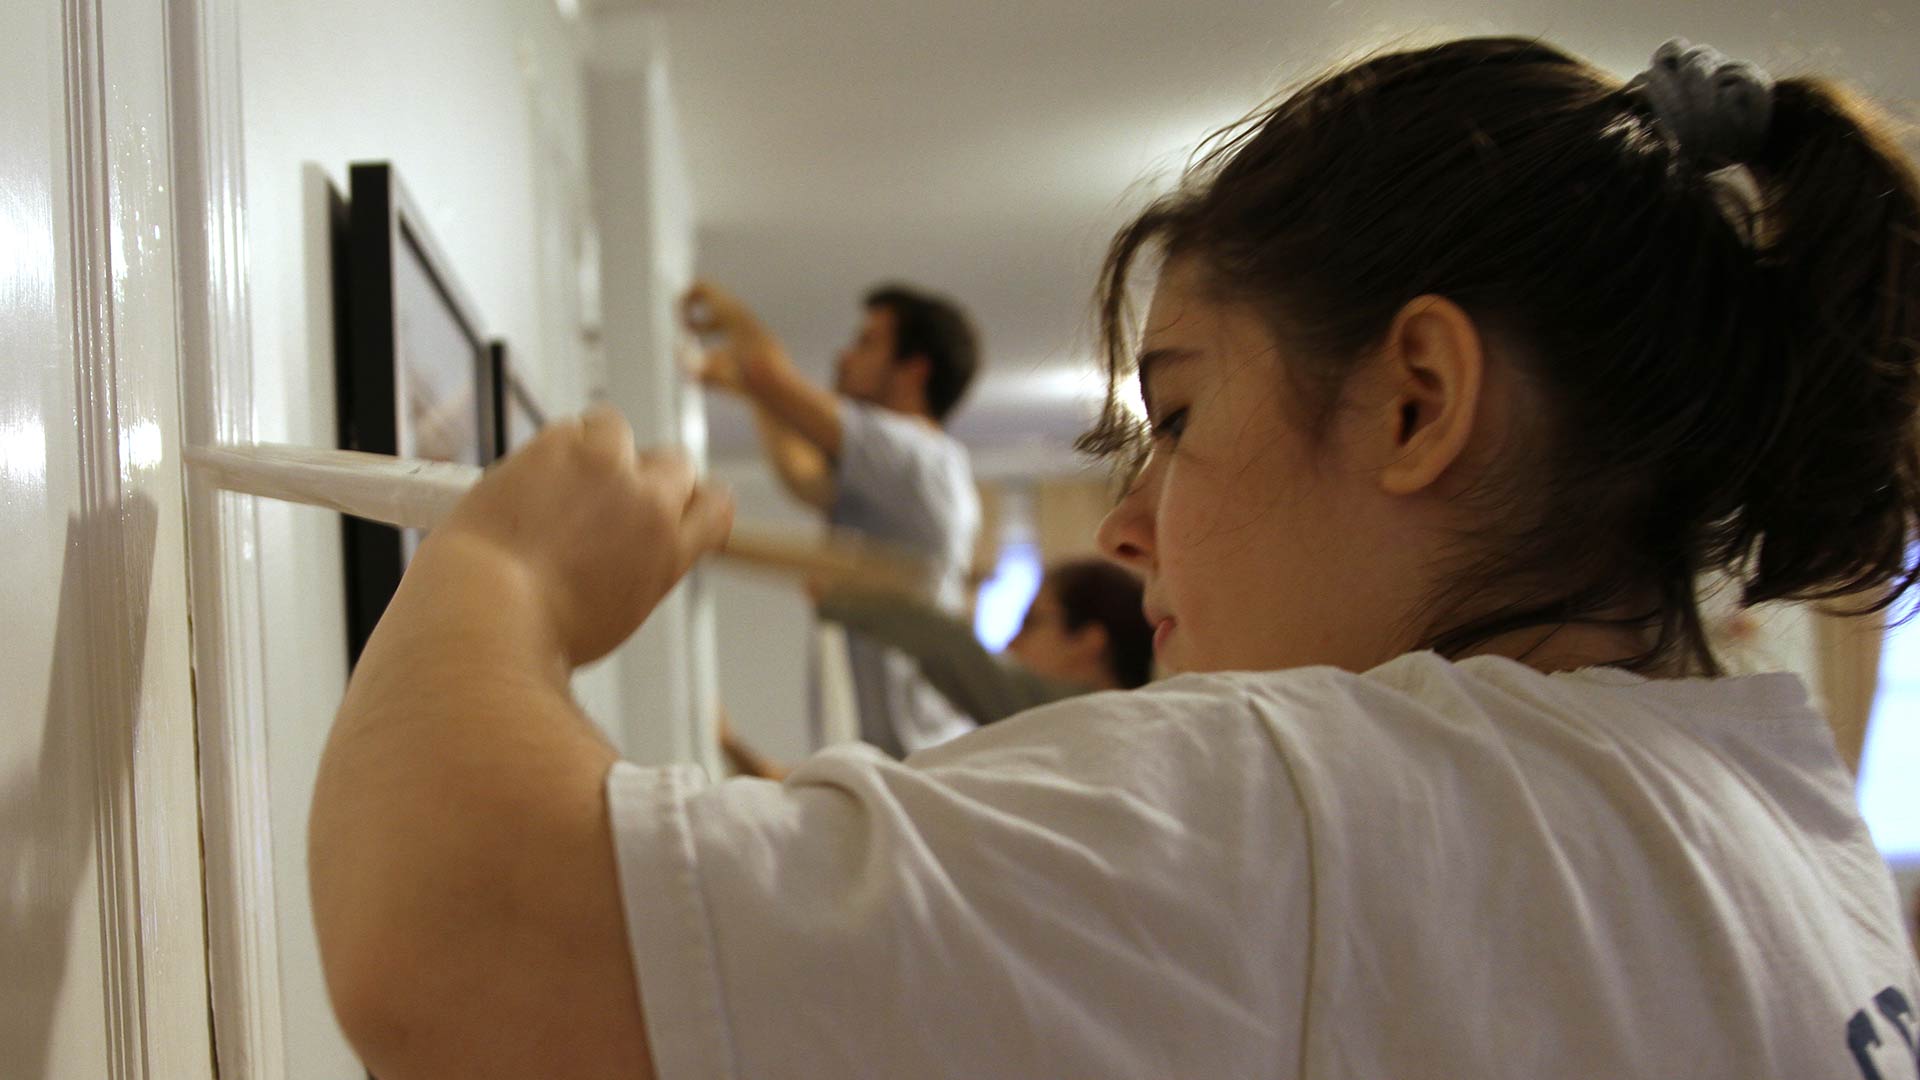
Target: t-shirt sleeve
<point x="1090" y="889"/>
<point x="893" y="479"/>
<point x="878" y="453"/>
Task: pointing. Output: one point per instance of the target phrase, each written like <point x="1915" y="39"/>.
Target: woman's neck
<point x="1570" y="647"/>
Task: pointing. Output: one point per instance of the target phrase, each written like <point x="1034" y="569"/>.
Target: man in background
<point x="873" y="454"/>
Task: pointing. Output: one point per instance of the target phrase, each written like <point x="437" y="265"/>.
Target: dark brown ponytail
<point x="1830" y="507"/>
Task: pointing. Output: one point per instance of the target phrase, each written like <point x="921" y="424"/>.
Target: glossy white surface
<point x="53" y="999"/>
<point x="144" y="391"/>
<point x="101" y="918"/>
<point x="243" y="943"/>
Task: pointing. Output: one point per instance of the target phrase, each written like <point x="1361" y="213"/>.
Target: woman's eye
<point x="1170" y="425"/>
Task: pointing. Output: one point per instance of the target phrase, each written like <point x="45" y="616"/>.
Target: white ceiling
<point x="988" y="148"/>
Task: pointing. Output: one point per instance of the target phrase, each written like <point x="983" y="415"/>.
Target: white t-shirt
<point x="1434" y="869"/>
<point x="909" y="484"/>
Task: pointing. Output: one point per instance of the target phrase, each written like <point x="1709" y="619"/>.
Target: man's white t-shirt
<point x="1435" y="869"/>
<point x="909" y="484"/>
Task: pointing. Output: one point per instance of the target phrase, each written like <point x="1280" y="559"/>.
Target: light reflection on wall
<point x="143" y="445"/>
<point x="23" y="452"/>
<point x="26" y="247"/>
<point x="26" y="285"/>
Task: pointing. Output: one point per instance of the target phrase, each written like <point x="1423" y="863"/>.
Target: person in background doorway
<point x="1085" y="631"/>
<point x="874" y="455"/>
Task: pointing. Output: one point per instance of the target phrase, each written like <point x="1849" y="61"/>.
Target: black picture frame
<point x="415" y="371"/>
<point x="516" y="415"/>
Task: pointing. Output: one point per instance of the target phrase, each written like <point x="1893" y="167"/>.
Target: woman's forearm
<point x="460" y="785"/>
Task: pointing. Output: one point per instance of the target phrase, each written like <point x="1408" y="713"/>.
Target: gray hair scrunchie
<point x="1717" y="110"/>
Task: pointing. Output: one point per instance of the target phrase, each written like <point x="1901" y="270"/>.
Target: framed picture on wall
<point x="516" y="415"/>
<point x="415" y="374"/>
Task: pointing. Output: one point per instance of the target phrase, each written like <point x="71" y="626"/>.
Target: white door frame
<point x="120" y="282"/>
<point x="104" y="549"/>
<point x="216" y="375"/>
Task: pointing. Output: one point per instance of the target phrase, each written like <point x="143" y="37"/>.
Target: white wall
<point x="479" y="106"/>
<point x="765" y="627"/>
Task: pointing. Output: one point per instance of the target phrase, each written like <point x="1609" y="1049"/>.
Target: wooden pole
<point x="420" y="494"/>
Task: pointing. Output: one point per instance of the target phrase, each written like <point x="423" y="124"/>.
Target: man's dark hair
<point x="933" y="327"/>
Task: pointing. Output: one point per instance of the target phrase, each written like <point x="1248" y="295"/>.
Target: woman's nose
<point x="1126" y="534"/>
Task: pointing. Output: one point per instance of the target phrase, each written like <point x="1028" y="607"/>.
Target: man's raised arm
<point x="799" y="421"/>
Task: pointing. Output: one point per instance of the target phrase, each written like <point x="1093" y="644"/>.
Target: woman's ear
<point x="1432" y="368"/>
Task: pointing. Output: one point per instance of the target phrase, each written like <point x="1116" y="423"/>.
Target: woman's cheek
<point x="1203" y="521"/>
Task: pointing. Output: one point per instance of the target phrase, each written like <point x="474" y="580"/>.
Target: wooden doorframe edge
<point x="216" y="387"/>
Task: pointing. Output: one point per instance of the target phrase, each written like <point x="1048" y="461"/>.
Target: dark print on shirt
<point x="1863" y="1035"/>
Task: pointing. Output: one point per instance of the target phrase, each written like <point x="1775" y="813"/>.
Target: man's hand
<point x="710" y="309"/>
<point x="736" y="341"/>
<point x="601" y="532"/>
<point x="719" y="370"/>
<point x="799" y="422"/>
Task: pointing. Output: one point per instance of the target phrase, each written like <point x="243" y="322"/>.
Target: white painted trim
<point x="131" y="646"/>
<point x="108" y="661"/>
<point x="216" y="372"/>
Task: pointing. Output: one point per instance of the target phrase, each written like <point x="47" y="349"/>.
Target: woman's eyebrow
<point x="1159" y="360"/>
